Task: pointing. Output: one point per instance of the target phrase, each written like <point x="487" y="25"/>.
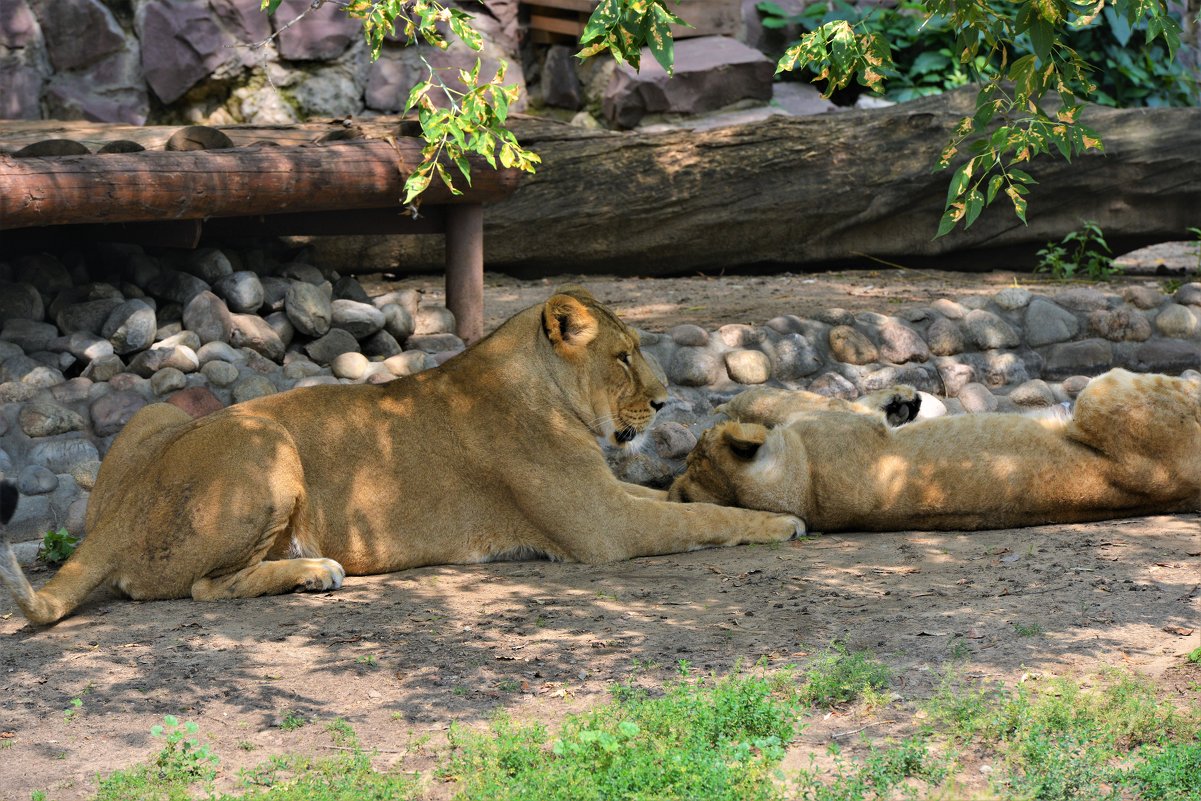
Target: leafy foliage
<point x="57" y="546"/>
<point x="1080" y="252"/>
<point x="838" y="677"/>
<point x="624" y="27"/>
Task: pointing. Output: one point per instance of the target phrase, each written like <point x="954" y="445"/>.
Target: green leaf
<point x="660" y="42"/>
<point x="270" y="5"/>
<point x="958" y="183"/>
<point x="1042" y="37"/>
<point x="993" y="185"/>
<point x="949" y="218"/>
<point x="975" y="204"/>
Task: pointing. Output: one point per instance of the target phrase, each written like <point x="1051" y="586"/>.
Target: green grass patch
<point x="1054" y="740"/>
<point x="708" y="738"/>
<point x="837" y="676"/>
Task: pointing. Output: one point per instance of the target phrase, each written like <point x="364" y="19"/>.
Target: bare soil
<point x="401" y="657"/>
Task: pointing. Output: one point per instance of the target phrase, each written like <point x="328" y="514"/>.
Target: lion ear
<point x="744" y="441"/>
<point x="568" y="324"/>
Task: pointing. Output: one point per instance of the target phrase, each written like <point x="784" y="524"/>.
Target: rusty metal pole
<point x="465" y="269"/>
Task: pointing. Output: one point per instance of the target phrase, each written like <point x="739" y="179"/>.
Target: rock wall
<point x="87" y="340"/>
<point x="192" y="61"/>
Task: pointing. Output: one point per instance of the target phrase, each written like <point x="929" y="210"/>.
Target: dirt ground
<point x="401" y="657"/>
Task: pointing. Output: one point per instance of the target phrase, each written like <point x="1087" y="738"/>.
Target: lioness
<point x="494" y="455"/>
<point x="1131" y="447"/>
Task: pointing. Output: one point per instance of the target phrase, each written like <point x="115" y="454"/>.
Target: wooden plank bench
<point x="310" y="178"/>
<point x="562" y="21"/>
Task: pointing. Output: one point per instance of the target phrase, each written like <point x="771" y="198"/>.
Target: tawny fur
<point x="493" y="454"/>
<point x="1132" y="447"/>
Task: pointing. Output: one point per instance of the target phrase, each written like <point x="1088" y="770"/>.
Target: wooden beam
<point x="247" y="181"/>
<point x="465" y="269"/>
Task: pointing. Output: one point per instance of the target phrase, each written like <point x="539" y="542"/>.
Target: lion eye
<point x="624" y="358"/>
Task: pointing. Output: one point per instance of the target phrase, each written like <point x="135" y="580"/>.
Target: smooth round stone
<point x="435" y="343"/>
<point x="381" y="344"/>
<point x="317" y="381"/>
<point x="348" y="288"/>
<point x="1012" y="298"/>
<point x="1033" y="393"/>
<point x="949" y="309"/>
<point x="251" y="387"/>
<point x="945" y="338"/>
<point x="105" y="368"/>
<point x="275" y="289"/>
<point x="219" y="373"/>
<point x="149" y="362"/>
<point x="1120" y="325"/>
<point x="360" y="319"/>
<point x="111" y="412"/>
<point x="836" y="316"/>
<point x="1082" y="299"/>
<point x="61" y="455"/>
<point x="795" y="358"/>
<point x="1176" y="321"/>
<point x="977" y="399"/>
<point x="672" y="440"/>
<point x="1075" y="384"/>
<point x="787" y="324"/>
<point x="407" y="299"/>
<point x="851" y="346"/>
<point x="29" y="335"/>
<point x="176" y="287"/>
<point x="900" y="344"/>
<point x="167" y="380"/>
<point x="74" y="390"/>
<point x="694" y="367"/>
<point x="208" y="316"/>
<point x="221" y="351"/>
<point x="309" y="309"/>
<point x="130" y="326"/>
<point x="1189" y="294"/>
<point x="253" y="332"/>
<point x="242" y="291"/>
<point x="43" y="377"/>
<point x="209" y="264"/>
<point x="433" y="319"/>
<point x="87" y="347"/>
<point x="305" y="273"/>
<point x="185" y="338"/>
<point x="87" y="316"/>
<point x="36" y="480"/>
<point x="16" y="392"/>
<point x="987" y="331"/>
<point x="407" y="363"/>
<point x="738" y="335"/>
<point x="77" y="515"/>
<point x="196" y="401"/>
<point x="1145" y="297"/>
<point x="748" y="366"/>
<point x="1047" y="323"/>
<point x="282" y="327"/>
<point x="85" y="473"/>
<point x="687" y="335"/>
<point x="45" y="419"/>
<point x="351" y="366"/>
<point x="20" y="300"/>
<point x="301" y="368"/>
<point x="397" y="321"/>
<point x="324" y="349"/>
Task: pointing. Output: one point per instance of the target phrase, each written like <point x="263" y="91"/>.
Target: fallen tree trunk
<point x="824" y="191"/>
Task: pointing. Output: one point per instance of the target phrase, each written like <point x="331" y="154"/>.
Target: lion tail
<point x="78" y="577"/>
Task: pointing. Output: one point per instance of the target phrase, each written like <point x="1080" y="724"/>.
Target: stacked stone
<point x="79" y="356"/>
<point x="83" y="347"/>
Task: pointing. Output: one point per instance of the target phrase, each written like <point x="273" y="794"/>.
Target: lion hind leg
<point x="272" y="578"/>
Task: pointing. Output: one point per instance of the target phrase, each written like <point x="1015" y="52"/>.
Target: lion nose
<point x="658" y="404"/>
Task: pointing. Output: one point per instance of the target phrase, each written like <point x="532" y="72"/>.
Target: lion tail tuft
<point x="8" y="501"/>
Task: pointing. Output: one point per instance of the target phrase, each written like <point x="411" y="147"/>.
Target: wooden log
<point x="465" y="269"/>
<point x="829" y="190"/>
<point x="156" y="185"/>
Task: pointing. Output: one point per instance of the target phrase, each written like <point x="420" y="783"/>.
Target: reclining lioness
<point x="1131" y="447"/>
<point x="494" y="455"/>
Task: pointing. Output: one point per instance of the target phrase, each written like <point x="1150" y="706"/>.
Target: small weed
<point x="1082" y="253"/>
<point x="838" y="677"/>
<point x="57" y="546"/>
<point x="1032" y="630"/>
<point x="1195" y="656"/>
<point x="368" y="660"/>
<point x="509" y="686"/>
<point x="74" y="707"/>
<point x="291" y="721"/>
<point x="342" y="733"/>
<point x="1196" y="232"/>
<point x="246" y="745"/>
<point x="958" y="651"/>
<point x="459" y="690"/>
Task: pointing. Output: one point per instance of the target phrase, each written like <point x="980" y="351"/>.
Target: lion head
<point x="620" y="389"/>
<point x="737" y="464"/>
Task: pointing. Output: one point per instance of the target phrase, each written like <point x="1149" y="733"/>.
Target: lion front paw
<point x="899" y="404"/>
<point x="790" y="527"/>
<point x="321" y="574"/>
